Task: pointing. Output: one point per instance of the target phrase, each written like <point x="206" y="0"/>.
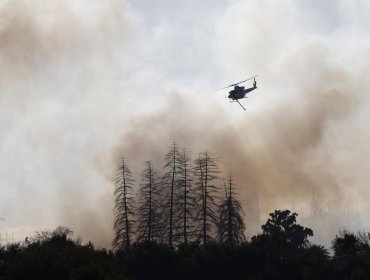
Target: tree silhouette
<point x="185" y="199"/>
<point x="316" y="263"/>
<point x="123" y="209"/>
<point x="149" y="227"/>
<point x="57" y="255"/>
<point x="352" y="255"/>
<point x="231" y="225"/>
<point x="347" y="244"/>
<point x="206" y="173"/>
<point x="170" y="183"/>
<point x="282" y="235"/>
<point x="283" y="224"/>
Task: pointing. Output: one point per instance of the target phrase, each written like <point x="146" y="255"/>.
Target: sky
<point x="85" y="82"/>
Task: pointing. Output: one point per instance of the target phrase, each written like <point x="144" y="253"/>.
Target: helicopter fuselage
<point x="239" y="92"/>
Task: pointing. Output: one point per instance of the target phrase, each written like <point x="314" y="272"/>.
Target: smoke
<point x="83" y="83"/>
<point x="301" y="144"/>
<point x="291" y="155"/>
<point x="59" y="70"/>
<point x="278" y="156"/>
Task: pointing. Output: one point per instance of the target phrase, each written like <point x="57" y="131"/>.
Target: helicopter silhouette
<point x="240" y="92"/>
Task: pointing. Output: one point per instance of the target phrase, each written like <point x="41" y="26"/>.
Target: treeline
<point x="186" y="222"/>
<point x="281" y="251"/>
<point x="187" y="202"/>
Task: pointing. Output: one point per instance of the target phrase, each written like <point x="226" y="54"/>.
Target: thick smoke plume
<point x="59" y="66"/>
<point x="302" y="143"/>
<point x="77" y="76"/>
<point x="287" y="155"/>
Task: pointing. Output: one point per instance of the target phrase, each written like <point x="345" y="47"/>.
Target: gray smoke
<point x="293" y="154"/>
<point x="59" y="67"/>
<point x="85" y="82"/>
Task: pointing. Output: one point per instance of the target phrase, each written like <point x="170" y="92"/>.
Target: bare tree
<point x="206" y="174"/>
<point x="231" y="226"/>
<point x="123" y="209"/>
<point x="185" y="199"/>
<point x="170" y="187"/>
<point x="149" y="226"/>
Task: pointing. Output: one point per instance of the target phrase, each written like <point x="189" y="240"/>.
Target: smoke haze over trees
<point x="82" y="81"/>
<point x="168" y="209"/>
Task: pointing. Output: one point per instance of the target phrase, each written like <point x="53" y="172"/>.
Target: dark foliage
<point x="283" y="233"/>
<point x="352" y="255"/>
<point x="349" y="244"/>
<point x="54" y="255"/>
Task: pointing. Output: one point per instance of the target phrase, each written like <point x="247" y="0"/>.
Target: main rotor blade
<point x="225" y="87"/>
<point x="245" y="80"/>
<point x="233" y="85"/>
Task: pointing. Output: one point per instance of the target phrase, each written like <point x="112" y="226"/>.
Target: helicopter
<point x="240" y="92"/>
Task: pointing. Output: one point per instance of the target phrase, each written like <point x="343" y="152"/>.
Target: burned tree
<point x="231" y="226"/>
<point x="123" y="209"/>
<point x="149" y="226"/>
<point x="185" y="199"/>
<point x="206" y="174"/>
<point x="170" y="187"/>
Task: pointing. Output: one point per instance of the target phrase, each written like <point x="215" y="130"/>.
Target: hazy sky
<point x="83" y="82"/>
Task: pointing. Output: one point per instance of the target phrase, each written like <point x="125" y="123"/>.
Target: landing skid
<point x="236" y="100"/>
<point x="241" y="105"/>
